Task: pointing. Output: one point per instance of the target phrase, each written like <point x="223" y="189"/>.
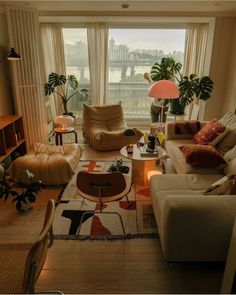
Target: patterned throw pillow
<point x="211" y="133"/>
<point x="202" y="155"/>
<point x="224" y="186"/>
<point x="187" y="127"/>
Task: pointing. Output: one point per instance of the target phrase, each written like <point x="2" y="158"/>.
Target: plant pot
<point x="129" y="148"/>
<point x="176" y="107"/>
<point x="25" y="207"/>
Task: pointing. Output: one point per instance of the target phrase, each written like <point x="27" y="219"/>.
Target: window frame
<point x="141" y="22"/>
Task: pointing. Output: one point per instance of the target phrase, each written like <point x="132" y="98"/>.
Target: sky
<point x="166" y="40"/>
<point x="161" y="39"/>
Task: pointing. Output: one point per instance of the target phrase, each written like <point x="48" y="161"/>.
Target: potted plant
<point x="62" y="86"/>
<point x="26" y="196"/>
<point x="129" y="147"/>
<point x="118" y="167"/>
<point x="191" y="88"/>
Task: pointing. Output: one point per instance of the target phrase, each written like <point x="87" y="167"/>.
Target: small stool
<point x="59" y="132"/>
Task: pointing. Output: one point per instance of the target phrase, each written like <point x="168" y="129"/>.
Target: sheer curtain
<point x="195" y="53"/>
<point x="54" y="57"/>
<point x="29" y="99"/>
<point x="98" y="61"/>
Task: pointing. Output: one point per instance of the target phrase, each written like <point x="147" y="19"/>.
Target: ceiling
<point x="158" y="6"/>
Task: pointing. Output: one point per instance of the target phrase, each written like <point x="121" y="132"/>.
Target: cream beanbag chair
<point x="53" y="165"/>
<point x="103" y="128"/>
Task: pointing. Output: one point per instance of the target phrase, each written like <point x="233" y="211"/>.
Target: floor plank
<point x="123" y="266"/>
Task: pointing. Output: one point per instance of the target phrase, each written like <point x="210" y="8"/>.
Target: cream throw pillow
<point x="222" y="186"/>
<point x="230" y="158"/>
<point x="230" y="155"/>
<point x="228" y="120"/>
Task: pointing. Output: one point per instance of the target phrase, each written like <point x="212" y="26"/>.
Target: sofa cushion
<point x="169" y="184"/>
<point x="179" y="162"/>
<point x="202" y="155"/>
<point x="230" y="158"/>
<point x="229" y="141"/>
<point x="230" y="154"/>
<point x="187" y="127"/>
<point x="221" y="187"/>
<point x="211" y="133"/>
<point x="230" y="168"/>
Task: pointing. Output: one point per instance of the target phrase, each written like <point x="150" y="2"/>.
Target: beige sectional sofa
<point x="193" y="226"/>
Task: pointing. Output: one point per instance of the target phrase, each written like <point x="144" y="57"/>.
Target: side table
<point x="141" y="165"/>
<point x="59" y="132"/>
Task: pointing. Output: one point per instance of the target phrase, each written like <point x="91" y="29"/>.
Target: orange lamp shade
<point x="164" y="89"/>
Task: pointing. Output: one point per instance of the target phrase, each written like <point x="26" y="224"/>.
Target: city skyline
<point x="168" y="40"/>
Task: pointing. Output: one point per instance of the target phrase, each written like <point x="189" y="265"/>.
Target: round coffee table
<point x="142" y="164"/>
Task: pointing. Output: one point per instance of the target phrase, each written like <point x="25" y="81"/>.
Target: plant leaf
<point x="72" y="82"/>
<point x="55" y="80"/>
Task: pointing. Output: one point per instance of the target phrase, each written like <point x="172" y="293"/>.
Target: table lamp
<point x="163" y="89"/>
<point x="64" y="121"/>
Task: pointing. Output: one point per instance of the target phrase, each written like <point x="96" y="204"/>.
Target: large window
<point x="76" y="58"/>
<point x="132" y="52"/>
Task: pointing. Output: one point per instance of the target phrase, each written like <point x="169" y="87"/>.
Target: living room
<point x="132" y="265"/>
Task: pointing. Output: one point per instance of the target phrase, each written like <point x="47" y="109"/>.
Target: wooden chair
<point x="21" y="264"/>
<point x="103" y="188"/>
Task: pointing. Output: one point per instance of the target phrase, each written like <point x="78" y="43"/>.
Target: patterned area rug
<point x="137" y="213"/>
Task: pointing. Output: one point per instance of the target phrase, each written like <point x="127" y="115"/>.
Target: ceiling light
<point x="125" y="5"/>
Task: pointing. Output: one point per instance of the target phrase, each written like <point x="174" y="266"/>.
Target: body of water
<point x="114" y="72"/>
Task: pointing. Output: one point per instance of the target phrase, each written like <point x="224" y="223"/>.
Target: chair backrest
<point x="108" y="184"/>
<point x="37" y="254"/>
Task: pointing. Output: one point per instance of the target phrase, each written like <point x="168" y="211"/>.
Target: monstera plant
<point x="65" y="87"/>
<point x="190" y="87"/>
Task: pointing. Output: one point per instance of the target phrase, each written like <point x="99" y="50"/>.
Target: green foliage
<point x="28" y="194"/>
<point x="60" y="85"/>
<point x="129" y="132"/>
<point x="190" y="88"/>
<point x="116" y="167"/>
<point x="166" y="70"/>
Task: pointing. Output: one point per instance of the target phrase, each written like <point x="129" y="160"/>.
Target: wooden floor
<point x="118" y="266"/>
<point x="123" y="266"/>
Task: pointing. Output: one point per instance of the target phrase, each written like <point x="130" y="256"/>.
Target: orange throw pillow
<point x="211" y="133"/>
<point x="202" y="155"/>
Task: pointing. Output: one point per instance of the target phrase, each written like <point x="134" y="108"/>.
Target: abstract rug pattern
<point x="137" y="213"/>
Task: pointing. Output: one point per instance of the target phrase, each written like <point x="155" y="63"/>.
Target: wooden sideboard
<point x="12" y="138"/>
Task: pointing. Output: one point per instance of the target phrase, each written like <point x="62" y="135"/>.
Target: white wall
<point x="223" y="69"/>
<point x="5" y="90"/>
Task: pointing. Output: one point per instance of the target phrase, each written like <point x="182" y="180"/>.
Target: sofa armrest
<point x="180" y="129"/>
<point x="197" y="227"/>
